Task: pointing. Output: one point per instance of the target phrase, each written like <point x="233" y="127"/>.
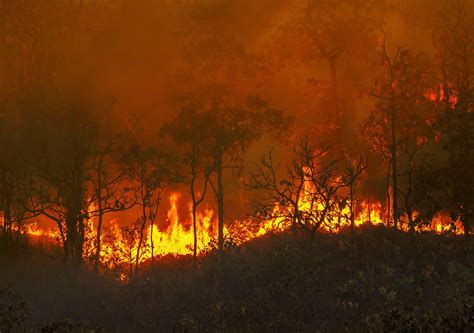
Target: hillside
<point x="389" y="281"/>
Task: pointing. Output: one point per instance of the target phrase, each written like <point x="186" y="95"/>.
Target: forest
<point x="236" y="165"/>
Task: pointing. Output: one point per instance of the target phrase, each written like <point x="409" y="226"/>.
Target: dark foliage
<point x="386" y="282"/>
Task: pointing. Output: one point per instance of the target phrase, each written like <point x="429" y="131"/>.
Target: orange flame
<point x="120" y="245"/>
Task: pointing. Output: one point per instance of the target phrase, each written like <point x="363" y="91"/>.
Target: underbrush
<point x="380" y="281"/>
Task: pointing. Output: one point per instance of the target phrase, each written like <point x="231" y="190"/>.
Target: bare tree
<point x="152" y="171"/>
<point x="306" y="195"/>
<point x="351" y="175"/>
<point x="400" y="93"/>
<point x="234" y="129"/>
<point x="189" y="128"/>
<point x="108" y="179"/>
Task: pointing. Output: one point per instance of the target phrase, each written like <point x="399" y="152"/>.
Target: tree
<point x="108" y="179"/>
<point x="218" y="132"/>
<point x="306" y="194"/>
<point x="152" y="171"/>
<point x="63" y="166"/>
<point x="15" y="190"/>
<point x="399" y="121"/>
<point x="351" y="174"/>
<point x="331" y="33"/>
<point x="23" y="47"/>
<point x="35" y="58"/>
<point x="455" y="67"/>
<point x="417" y="131"/>
<point x="219" y="61"/>
<point x="189" y="128"/>
<point x="234" y="129"/>
<point x="123" y="244"/>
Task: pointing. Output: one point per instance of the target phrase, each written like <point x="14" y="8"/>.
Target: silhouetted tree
<point x="454" y="40"/>
<point x="15" y="189"/>
<point x="397" y="123"/>
<point x="233" y="130"/>
<point x="218" y="58"/>
<point x="151" y="171"/>
<point x="62" y="174"/>
<point x="110" y="192"/>
<point x="351" y="175"/>
<point x="306" y="194"/>
<point x="331" y="32"/>
<point x="190" y="128"/>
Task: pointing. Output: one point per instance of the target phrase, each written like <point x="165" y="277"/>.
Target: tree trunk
<point x="71" y="237"/>
<point x="144" y="217"/>
<point x="152" y="244"/>
<point x="140" y="241"/>
<point x="98" y="242"/>
<point x="18" y="231"/>
<point x="220" y="203"/>
<point x="100" y="216"/>
<point x="393" y="149"/>
<point x="80" y="240"/>
<point x="7" y="216"/>
<point x="195" y="235"/>
<point x="467" y="228"/>
<point x="194" y="212"/>
<point x="351" y="205"/>
<point x="411" y="222"/>
<point x="389" y="199"/>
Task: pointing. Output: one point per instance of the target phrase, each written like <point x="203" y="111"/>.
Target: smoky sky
<point x="134" y="51"/>
<point x="146" y="55"/>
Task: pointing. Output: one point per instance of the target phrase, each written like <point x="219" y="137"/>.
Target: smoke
<point x="147" y="55"/>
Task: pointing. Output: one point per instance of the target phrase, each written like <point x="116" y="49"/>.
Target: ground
<point x="381" y="280"/>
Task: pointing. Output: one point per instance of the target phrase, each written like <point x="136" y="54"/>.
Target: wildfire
<point x="437" y="95"/>
<point x="371" y="212"/>
<point x="176" y="238"/>
<point x="120" y="244"/>
<point x="32" y="229"/>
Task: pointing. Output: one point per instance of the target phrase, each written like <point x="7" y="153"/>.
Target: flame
<point x="437" y="95"/>
<point x="32" y="229"/>
<point x="371" y="212"/>
<point x="177" y="238"/>
<point x="442" y="223"/>
<point x="120" y="244"/>
<point x="333" y="216"/>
